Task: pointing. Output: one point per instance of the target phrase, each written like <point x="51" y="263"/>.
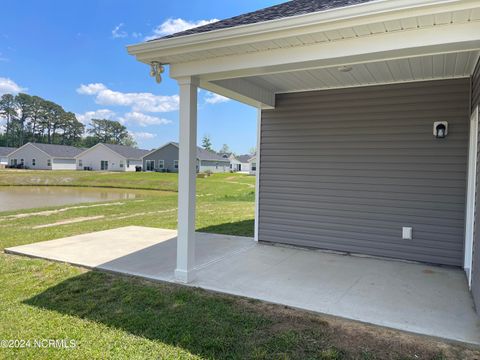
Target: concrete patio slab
<point x="418" y="298"/>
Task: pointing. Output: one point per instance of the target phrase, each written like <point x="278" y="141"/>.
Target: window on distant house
<point x="22" y="161"/>
<point x="33" y="162"/>
<point x="80" y="163"/>
<point x="175" y="164"/>
<point x="216" y="165"/>
<point x="161" y="164"/>
<point x="128" y="163"/>
<point x="121" y="164"/>
<point x="49" y="162"/>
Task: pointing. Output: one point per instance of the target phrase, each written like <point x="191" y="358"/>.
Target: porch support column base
<point x="185" y="276"/>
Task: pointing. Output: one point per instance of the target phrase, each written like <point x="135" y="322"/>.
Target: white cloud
<point x="213" y="98"/>
<point x="8" y="86"/>
<point x="141" y="135"/>
<point x="117" y="32"/>
<point x="171" y="26"/>
<point x="91" y="89"/>
<point x="143" y="119"/>
<point x="139" y="102"/>
<point x="86" y="117"/>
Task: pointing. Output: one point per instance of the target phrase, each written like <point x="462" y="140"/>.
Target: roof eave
<point x="328" y="16"/>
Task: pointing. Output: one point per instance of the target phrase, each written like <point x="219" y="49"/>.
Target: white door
<point x="471" y="185"/>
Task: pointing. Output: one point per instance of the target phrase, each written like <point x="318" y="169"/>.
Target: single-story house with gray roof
<point x="240" y="162"/>
<point x="110" y="157"/>
<point x="4" y="152"/>
<point x="367" y="127"/>
<point x="45" y="156"/>
<point x="165" y="158"/>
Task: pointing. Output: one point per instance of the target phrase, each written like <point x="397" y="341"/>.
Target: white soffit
<point x="332" y="33"/>
<point x="442" y="66"/>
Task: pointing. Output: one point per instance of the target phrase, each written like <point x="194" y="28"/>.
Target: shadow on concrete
<point x="238" y="228"/>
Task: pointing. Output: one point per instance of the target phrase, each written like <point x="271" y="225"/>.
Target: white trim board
<point x="470" y="200"/>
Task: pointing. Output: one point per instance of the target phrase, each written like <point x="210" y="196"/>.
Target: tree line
<point x="30" y="118"/>
<point x="225" y="149"/>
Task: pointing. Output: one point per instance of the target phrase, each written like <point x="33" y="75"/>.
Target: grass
<point x="117" y="317"/>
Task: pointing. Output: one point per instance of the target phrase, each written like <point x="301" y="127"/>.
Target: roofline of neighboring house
<point x="111" y="150"/>
<point x="159" y="148"/>
<point x="331" y="17"/>
<point x="176" y="145"/>
<point x="36" y="147"/>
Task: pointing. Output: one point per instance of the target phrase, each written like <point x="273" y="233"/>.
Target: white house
<point x="240" y="162"/>
<point x="45" y="156"/>
<point x="4" y="152"/>
<point x="110" y="157"/>
<point x="252" y="165"/>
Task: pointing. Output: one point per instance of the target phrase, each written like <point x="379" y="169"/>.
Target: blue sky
<point x="51" y="48"/>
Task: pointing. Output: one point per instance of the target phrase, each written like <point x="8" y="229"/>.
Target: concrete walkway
<point x="413" y="297"/>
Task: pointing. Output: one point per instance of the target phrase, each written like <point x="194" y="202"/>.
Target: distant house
<point x="4" y="151"/>
<point x="253" y="165"/>
<point x="165" y="158"/>
<point x="45" y="156"/>
<point x="109" y="157"/>
<point x="240" y="162"/>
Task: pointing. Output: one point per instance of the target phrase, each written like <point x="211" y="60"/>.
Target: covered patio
<point x="413" y="297"/>
<point x="367" y="144"/>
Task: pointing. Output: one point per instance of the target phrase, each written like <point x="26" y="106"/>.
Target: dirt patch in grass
<point x="336" y="338"/>
<point x="57" y="211"/>
<point x="69" y="221"/>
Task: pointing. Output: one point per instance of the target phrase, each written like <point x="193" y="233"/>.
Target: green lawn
<point x="111" y="316"/>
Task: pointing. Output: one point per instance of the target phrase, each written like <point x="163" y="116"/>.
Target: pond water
<point x="27" y="197"/>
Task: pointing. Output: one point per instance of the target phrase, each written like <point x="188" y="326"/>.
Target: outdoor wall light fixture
<point x="440" y="129"/>
<point x="344" y="68"/>
<point x="156" y="70"/>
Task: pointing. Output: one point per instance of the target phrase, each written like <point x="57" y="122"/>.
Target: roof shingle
<point x="127" y="151"/>
<point x="203" y="154"/>
<point x="284" y="10"/>
<point x="4" y="151"/>
<point x="59" y="151"/>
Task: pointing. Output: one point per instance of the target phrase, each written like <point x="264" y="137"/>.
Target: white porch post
<point x="257" y="174"/>
<point x="185" y="271"/>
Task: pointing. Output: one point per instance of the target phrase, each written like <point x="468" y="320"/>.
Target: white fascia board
<point x="386" y="46"/>
<point x="355" y="15"/>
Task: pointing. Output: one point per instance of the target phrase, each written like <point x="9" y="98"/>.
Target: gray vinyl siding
<point x="476" y="231"/>
<point x="168" y="154"/>
<point x="345" y="169"/>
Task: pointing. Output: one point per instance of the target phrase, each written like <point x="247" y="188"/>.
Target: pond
<point x="27" y="197"/>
